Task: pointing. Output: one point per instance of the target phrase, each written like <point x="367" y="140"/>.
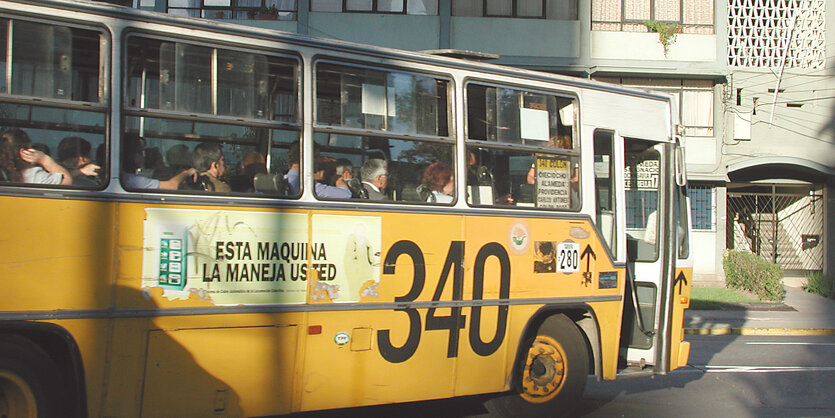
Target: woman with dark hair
<point x="34" y="166"/>
<point x="8" y="170"/>
<point x="439" y="181"/>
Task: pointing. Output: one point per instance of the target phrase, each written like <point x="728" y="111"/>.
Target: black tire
<point x="30" y="383"/>
<point x="551" y="373"/>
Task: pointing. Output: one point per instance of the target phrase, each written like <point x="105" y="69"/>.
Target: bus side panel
<point x="345" y="364"/>
<point x="235" y="371"/>
<point x="58" y="256"/>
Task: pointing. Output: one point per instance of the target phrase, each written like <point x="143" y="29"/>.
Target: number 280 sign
<point x="568" y="257"/>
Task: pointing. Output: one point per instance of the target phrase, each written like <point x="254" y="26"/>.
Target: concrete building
<point x="756" y="81"/>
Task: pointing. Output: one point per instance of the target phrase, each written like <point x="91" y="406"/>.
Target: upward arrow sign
<point x="586" y="253"/>
<point x="681" y="280"/>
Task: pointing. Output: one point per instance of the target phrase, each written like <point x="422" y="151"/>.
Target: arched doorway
<point x="776" y="208"/>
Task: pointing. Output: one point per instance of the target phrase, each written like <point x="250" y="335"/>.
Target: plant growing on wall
<point x="268" y="13"/>
<point x="666" y="33"/>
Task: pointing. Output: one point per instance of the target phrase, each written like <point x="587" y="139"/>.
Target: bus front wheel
<point x="552" y="374"/>
<point x="29" y="384"/>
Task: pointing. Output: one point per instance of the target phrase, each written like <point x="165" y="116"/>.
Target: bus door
<point x="643" y="180"/>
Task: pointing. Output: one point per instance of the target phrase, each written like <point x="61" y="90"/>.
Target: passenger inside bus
<point x="31" y="165"/>
<point x="325" y="168"/>
<point x="438" y="184"/>
<point x="243" y="178"/>
<point x="178" y="158"/>
<point x="526" y="192"/>
<point x="292" y="175"/>
<point x="8" y="171"/>
<point x="210" y="162"/>
<point x="480" y="181"/>
<point x="74" y="155"/>
<point x="133" y="158"/>
<point x="374" y="173"/>
<point x="343" y="170"/>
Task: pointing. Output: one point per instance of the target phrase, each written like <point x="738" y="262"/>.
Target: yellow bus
<point x="204" y="219"/>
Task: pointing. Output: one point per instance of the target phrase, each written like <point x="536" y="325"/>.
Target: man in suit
<point x="374" y="173"/>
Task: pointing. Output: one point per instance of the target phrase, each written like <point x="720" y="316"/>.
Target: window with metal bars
<point x="692" y="16"/>
<point x="694" y="96"/>
<point x="531" y="9"/>
<point x="411" y="7"/>
<point x="702" y="207"/>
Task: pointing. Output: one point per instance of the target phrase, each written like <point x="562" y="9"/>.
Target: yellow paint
<point x="267" y="363"/>
<point x="679" y="349"/>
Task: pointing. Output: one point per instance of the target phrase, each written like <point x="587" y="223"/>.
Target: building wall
<point x="394" y="31"/>
<point x="803" y="133"/>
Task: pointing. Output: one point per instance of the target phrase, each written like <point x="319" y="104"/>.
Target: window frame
<point x="702" y="208"/>
<point x="99" y="107"/>
<point x="573" y="154"/>
<point x="213" y="117"/>
<point x="127" y="111"/>
<point x="638" y="23"/>
<point x="365" y="133"/>
<point x="677" y="90"/>
<point x="514" y="10"/>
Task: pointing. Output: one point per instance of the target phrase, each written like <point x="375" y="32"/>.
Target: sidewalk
<point x="803" y="313"/>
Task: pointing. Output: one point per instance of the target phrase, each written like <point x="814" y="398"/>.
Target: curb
<point x="760" y="331"/>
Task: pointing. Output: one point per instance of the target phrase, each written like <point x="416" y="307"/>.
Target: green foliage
<point x="752" y="273"/>
<point x="714" y="298"/>
<point x="819" y="284"/>
<point x="666" y="33"/>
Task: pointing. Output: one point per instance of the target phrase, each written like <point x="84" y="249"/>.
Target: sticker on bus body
<point x="568" y="257"/>
<point x="342" y="338"/>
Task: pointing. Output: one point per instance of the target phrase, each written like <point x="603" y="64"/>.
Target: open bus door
<point x="646" y="209"/>
<point x="659" y="264"/>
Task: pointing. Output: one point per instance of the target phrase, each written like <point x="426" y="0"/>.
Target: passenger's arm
<point x="174" y="182"/>
<point x="33" y="156"/>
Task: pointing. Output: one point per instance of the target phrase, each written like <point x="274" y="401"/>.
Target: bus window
<point x="604" y="186"/>
<point x="500" y="114"/>
<point x="405" y="161"/>
<point x="389" y="101"/>
<point x="47" y="142"/>
<point x="642" y="184"/>
<point x="384" y="103"/>
<point x="178" y="76"/>
<point x="522" y="179"/>
<point x="682" y="222"/>
<point x="225" y="143"/>
<point x="521" y="149"/>
<point x="157" y="150"/>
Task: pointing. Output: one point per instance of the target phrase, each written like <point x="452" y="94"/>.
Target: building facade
<point x="755" y="79"/>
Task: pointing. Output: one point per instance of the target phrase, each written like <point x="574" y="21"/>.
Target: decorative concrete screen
<point x="762" y="33"/>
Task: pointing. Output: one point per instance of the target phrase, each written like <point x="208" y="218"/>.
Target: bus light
<point x="684" y="300"/>
<point x="314" y="330"/>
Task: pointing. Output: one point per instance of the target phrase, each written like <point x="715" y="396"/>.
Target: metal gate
<point x="784" y="228"/>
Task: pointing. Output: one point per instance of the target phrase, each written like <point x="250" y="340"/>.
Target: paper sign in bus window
<point x="534" y="124"/>
<point x="553" y="182"/>
<point x="373" y="99"/>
